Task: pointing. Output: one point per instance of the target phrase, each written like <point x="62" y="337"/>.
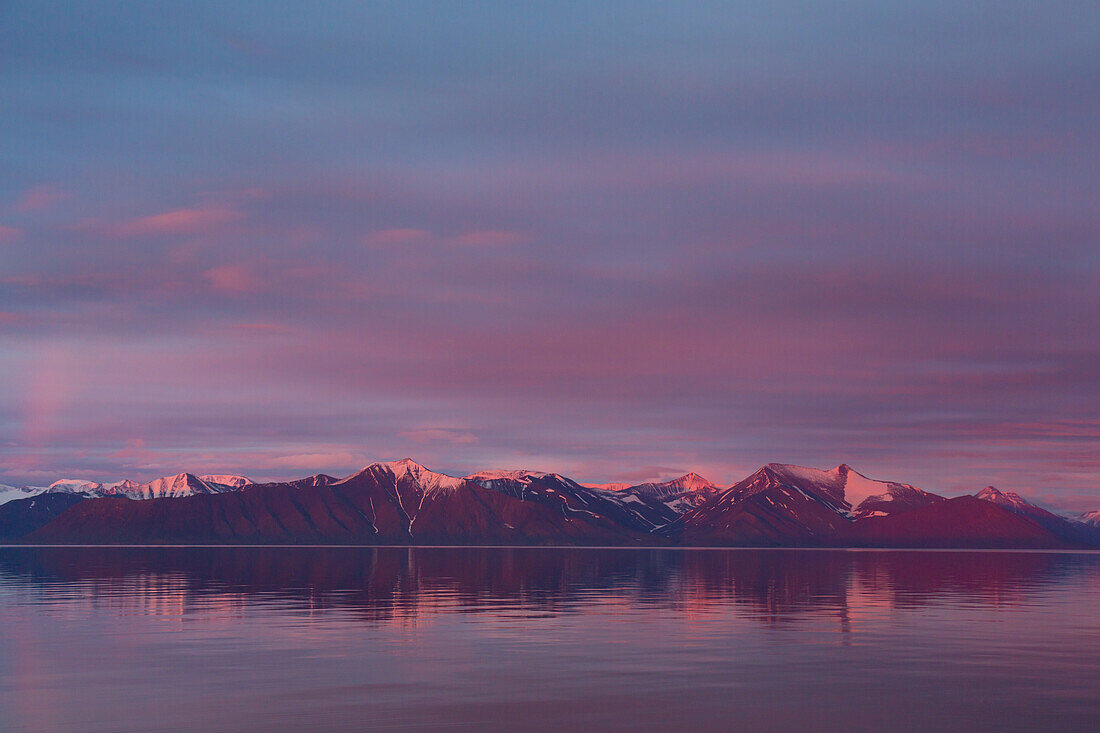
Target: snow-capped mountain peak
<point x="825" y="485"/>
<point x="1090" y="518"/>
<point x="691" y="482"/>
<point x="863" y="496"/>
<point x="182" y="484"/>
<point x="408" y="469"/>
<point x="74" y="486"/>
<point x="1004" y="498"/>
<point x="11" y="493"/>
<point x="427" y="479"/>
<point x="237" y="482"/>
<point x="487" y="478"/>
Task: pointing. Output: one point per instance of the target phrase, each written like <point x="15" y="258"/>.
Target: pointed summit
<point x="848" y="490"/>
<point x="1008" y="499"/>
<point x="680" y="493"/>
<point x="410" y="470"/>
<point x="691" y="482"/>
<point x="182" y="484"/>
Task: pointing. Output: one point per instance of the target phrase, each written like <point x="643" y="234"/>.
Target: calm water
<point x="341" y="639"/>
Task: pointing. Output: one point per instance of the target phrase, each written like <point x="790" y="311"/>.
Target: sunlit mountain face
<point x="403" y="502"/>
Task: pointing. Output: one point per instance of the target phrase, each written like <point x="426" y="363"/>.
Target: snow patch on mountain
<point x="858" y="489"/>
<point x="407" y="469"/>
<point x="11" y="493"/>
<point x="74" y="486"/>
<point x="1090" y="518"/>
<point x="429" y="481"/>
<point x="182" y="484"/>
<point x="802" y="473"/>
<point x="521" y="475"/>
<point x="236" y="482"/>
<point x="1009" y="499"/>
<point x="863" y="496"/>
<point x="691" y="487"/>
<point x="691" y="482"/>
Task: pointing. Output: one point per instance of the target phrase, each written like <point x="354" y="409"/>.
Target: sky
<point x="619" y="241"/>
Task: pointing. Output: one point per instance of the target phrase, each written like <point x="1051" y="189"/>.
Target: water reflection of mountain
<point x="386" y="584"/>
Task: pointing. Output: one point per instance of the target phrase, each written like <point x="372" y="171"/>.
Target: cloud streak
<point x="168" y="223"/>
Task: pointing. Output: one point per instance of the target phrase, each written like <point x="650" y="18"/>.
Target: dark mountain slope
<point x="21" y="517"/>
<point x="402" y="502"/>
<point x="1075" y="532"/>
<point x="374" y="506"/>
<point x="764" y="509"/>
<point x="614" y="510"/>
<point x="965" y="521"/>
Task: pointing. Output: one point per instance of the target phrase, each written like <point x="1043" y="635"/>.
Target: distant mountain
<point x="21" y="517"/>
<point x="320" y="479"/>
<point x="773" y="506"/>
<point x="74" y="486"/>
<point x="1090" y="518"/>
<point x="1072" y="531"/>
<point x="61" y="486"/>
<point x="680" y="494"/>
<point x="385" y="503"/>
<point x="12" y="493"/>
<point x="780" y="503"/>
<point x="964" y="521"/>
<point x="688" y="483"/>
<point x="850" y="491"/>
<point x="403" y="502"/>
<point x="183" y="484"/>
<point x="237" y="482"/>
<point x="633" y="512"/>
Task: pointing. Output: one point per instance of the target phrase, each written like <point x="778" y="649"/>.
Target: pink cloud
<point x="233" y="279"/>
<point x="475" y="238"/>
<point x="439" y="435"/>
<point x="9" y="234"/>
<point x="177" y="221"/>
<point x="486" y="238"/>
<point x="318" y="461"/>
<point x="136" y="454"/>
<point x="385" y="237"/>
<point x="39" y="198"/>
<point x="51" y="387"/>
<point x="261" y="328"/>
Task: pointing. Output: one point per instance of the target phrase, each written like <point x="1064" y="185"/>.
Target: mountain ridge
<point x="403" y="502"/>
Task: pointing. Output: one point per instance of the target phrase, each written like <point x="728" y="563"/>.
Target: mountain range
<point x="402" y="502"/>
